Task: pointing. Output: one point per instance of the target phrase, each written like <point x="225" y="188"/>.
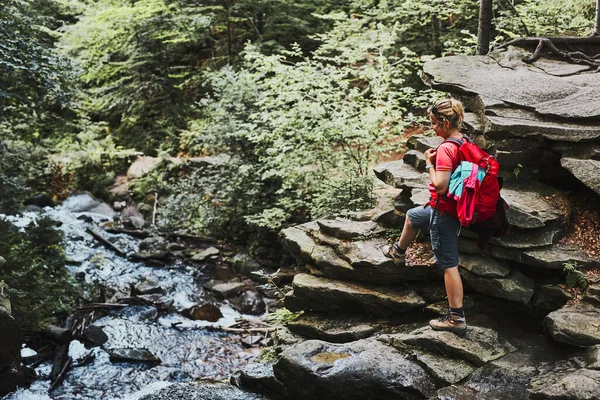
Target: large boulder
<point x="577" y="325"/>
<point x="479" y="346"/>
<point x="364" y="369"/>
<point x="321" y="294"/>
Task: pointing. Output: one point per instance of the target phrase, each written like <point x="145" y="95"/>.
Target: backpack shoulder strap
<point x="457" y="142"/>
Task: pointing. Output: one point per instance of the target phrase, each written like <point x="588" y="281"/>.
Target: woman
<point x="439" y="215"/>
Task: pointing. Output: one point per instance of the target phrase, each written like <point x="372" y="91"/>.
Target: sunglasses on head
<point x="434" y="110"/>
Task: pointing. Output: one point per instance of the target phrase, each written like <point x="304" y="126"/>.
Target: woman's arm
<point x="439" y="179"/>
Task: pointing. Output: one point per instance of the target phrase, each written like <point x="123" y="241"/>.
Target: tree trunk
<point x="436" y="27"/>
<point x="597" y="23"/>
<point x="485" y="27"/>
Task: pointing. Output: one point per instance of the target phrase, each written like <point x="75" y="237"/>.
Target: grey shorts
<point x="444" y="233"/>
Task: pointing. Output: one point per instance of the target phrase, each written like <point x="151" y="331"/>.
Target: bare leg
<point x="454" y="287"/>
<point x="409" y="233"/>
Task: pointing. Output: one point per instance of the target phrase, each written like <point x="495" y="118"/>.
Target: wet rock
<point x="251" y="302"/>
<point x="147" y="286"/>
<point x="320" y="294"/>
<point x="94" y="336"/>
<point x="154" y="247"/>
<point x="229" y="289"/>
<point x="205" y="312"/>
<point x="577" y="325"/>
<point x="156" y="300"/>
<point x="204" y="391"/>
<point x="550" y="297"/>
<point x="455" y="392"/>
<point x="443" y="369"/>
<point x="210" y="253"/>
<point x="585" y="171"/>
<point x="579" y="384"/>
<point x="40" y="200"/>
<point x="259" y="378"/>
<point x="332" y="328"/>
<point x="349" y="230"/>
<point x="132" y="355"/>
<point x="364" y="369"/>
<point x="479" y="346"/>
<point x="514" y="287"/>
<point x="244" y="264"/>
<point x="85" y="202"/>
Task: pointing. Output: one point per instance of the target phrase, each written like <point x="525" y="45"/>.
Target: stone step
<point x="334" y="328"/>
<point x="479" y="346"/>
<point x="348" y="260"/>
<point x="320" y="294"/>
<point x="514" y="287"/>
<point x="346" y="229"/>
<point x="577" y="325"/>
<point x="548" y="257"/>
<point x="401" y="175"/>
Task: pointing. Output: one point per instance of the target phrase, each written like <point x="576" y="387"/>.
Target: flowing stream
<point x="186" y="348"/>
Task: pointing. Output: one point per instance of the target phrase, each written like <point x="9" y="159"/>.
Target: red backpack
<point x="479" y="199"/>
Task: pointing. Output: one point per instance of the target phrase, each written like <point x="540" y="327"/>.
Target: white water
<point x="187" y="352"/>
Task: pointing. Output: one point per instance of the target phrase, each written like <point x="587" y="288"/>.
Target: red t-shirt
<point x="445" y="159"/>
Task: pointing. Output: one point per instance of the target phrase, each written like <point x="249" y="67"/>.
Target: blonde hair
<point x="450" y="110"/>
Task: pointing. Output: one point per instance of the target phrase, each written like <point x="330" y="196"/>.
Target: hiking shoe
<point x="450" y="322"/>
<point x="394" y="253"/>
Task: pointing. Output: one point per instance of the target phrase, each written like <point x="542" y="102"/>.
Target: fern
<point x="575" y="278"/>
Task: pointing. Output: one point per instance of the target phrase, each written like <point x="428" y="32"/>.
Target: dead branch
<point x="106" y="242"/>
<point x="550" y="43"/>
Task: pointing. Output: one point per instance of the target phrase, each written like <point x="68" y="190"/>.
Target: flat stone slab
<point x="578" y="325"/>
<point x="478" y="346"/>
<point x="549" y="95"/>
<point x="529" y="209"/>
<point x="442" y="368"/>
<point x="332" y="328"/>
<point x="364" y="369"/>
<point x="202" y="390"/>
<point x="322" y="294"/>
<point x="521" y="123"/>
<point x="347" y="260"/>
<point x="422" y="143"/>
<point x="485" y="267"/>
<point x="401" y="175"/>
<point x="580" y="384"/>
<point x="586" y="171"/>
<point x="514" y="287"/>
<point x="346" y="229"/>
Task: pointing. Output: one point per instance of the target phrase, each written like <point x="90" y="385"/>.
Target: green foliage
<point x="282" y="316"/>
<point x="574" y="277"/>
<point x="38" y="283"/>
<point x="346" y="193"/>
<point x="546" y="18"/>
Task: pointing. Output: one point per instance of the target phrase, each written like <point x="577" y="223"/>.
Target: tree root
<point x="575" y="57"/>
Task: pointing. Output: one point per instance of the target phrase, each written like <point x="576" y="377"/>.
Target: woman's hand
<point x="429" y="154"/>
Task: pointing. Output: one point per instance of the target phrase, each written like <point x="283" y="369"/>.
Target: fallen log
<point x="58" y="334"/>
<point x="98" y="236"/>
